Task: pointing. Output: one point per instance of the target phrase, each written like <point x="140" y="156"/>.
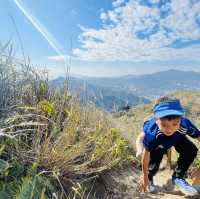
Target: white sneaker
<point x="151" y="188"/>
<point x="184" y="187"/>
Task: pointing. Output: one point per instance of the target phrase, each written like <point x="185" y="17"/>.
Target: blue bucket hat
<point x="167" y="108"/>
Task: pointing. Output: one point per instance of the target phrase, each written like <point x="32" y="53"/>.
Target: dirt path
<point x="165" y="188"/>
<point x="124" y="185"/>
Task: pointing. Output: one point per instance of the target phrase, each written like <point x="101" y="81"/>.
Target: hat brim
<point x="165" y="113"/>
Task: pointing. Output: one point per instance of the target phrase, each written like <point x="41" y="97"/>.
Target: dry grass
<point x="69" y="143"/>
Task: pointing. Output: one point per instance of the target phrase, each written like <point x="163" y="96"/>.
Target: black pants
<point x="187" y="153"/>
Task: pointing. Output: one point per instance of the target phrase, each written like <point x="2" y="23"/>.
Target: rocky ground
<point x="124" y="185"/>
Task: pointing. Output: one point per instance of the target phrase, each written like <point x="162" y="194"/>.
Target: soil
<point x="124" y="185"/>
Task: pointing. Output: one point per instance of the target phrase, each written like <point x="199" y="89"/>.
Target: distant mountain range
<point x="115" y="93"/>
<point x="152" y="85"/>
<point x="108" y="98"/>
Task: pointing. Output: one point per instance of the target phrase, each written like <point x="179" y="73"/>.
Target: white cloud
<point x="103" y="16"/>
<point x="58" y="58"/>
<point x="154" y="1"/>
<point x="117" y="3"/>
<point x="118" y="39"/>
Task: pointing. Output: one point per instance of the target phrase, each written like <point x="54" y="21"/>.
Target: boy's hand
<point x="169" y="157"/>
<point x="145" y="163"/>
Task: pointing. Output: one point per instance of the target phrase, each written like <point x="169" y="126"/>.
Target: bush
<point x="50" y="142"/>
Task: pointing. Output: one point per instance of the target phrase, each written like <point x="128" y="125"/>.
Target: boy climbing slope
<point x="165" y="129"/>
<point x="139" y="149"/>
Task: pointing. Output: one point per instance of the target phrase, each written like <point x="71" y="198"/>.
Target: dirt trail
<point x="125" y="182"/>
<point x="165" y="188"/>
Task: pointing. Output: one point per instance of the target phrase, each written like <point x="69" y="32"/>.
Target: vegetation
<point x="51" y="145"/>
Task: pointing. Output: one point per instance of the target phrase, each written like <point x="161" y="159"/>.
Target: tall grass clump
<point x="51" y="144"/>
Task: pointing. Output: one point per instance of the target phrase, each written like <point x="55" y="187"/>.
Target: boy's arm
<point x="139" y="145"/>
<point x="198" y="139"/>
<point x="169" y="157"/>
<point x="145" y="166"/>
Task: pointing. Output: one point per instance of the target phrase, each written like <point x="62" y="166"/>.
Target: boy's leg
<point x="187" y="153"/>
<point x="169" y="158"/>
<point x="155" y="159"/>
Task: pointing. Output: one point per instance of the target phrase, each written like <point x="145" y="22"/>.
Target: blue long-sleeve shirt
<point x="153" y="137"/>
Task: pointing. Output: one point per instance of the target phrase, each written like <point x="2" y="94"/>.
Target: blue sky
<point x="107" y="37"/>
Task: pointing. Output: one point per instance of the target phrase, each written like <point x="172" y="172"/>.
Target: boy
<point x="140" y="147"/>
<point x="165" y="129"/>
